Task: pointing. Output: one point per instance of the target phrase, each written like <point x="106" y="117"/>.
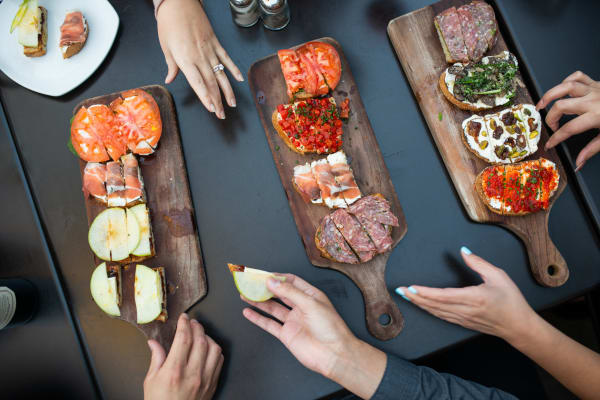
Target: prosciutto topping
<point x="73" y="29"/>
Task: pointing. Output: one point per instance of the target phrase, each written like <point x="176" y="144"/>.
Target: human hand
<point x="584" y="101"/>
<point x="190" y="371"/>
<point x="189" y="43"/>
<point x="317" y="336"/>
<point x="495" y="307"/>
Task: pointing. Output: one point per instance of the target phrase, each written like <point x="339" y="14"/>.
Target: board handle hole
<point x="385" y="319"/>
<point x="552" y="269"/>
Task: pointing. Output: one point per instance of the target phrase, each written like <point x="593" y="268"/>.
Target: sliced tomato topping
<point x="299" y="75"/>
<point x="86" y="141"/>
<point x="138" y="119"/>
<point x="328" y="60"/>
<point x="103" y="123"/>
<point x="309" y="57"/>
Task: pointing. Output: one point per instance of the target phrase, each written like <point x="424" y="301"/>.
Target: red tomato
<point x="309" y="57"/>
<point x="299" y="75"/>
<point x="138" y="118"/>
<point x="328" y="60"/>
<point x="345" y="109"/>
<point x="86" y="142"/>
<point x="103" y="122"/>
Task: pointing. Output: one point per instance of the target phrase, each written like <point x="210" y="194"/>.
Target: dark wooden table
<point x="241" y="209"/>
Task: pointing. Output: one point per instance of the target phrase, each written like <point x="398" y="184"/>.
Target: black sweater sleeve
<point x="405" y="380"/>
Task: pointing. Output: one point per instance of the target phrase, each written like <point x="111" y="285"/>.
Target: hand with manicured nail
<point x="583" y="100"/>
<point x="496" y="306"/>
<point x="317" y="336"/>
<point x="190" y="370"/>
<point x="189" y="43"/>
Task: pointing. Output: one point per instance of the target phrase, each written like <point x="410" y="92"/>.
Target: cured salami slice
<point x="487" y="18"/>
<point x="375" y="208"/>
<point x="354" y="235"/>
<point x="332" y="244"/>
<point x="476" y="47"/>
<point x="379" y="233"/>
<point x="450" y="28"/>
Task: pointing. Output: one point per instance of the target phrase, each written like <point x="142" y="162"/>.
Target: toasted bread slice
<point x="283" y="135"/>
<point x="162" y="317"/>
<point x="40" y="50"/>
<point x="73" y="48"/>
<point x="482" y="195"/>
<point x="460" y="104"/>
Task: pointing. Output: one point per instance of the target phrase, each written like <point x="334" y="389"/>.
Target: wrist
<point x="358" y="367"/>
<point x="526" y="331"/>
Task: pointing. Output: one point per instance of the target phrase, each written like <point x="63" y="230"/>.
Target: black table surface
<point x="241" y="209"/>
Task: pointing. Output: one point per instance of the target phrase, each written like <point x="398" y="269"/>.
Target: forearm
<point x="572" y="364"/>
<point x="359" y="368"/>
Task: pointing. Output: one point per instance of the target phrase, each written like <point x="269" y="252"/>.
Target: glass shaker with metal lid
<point x="245" y="13"/>
<point x="275" y="14"/>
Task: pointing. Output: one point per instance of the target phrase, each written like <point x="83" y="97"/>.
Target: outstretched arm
<point x="498" y="308"/>
<point x="317" y="336"/>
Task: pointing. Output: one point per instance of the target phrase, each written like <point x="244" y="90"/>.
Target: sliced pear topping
<point x="252" y="283"/>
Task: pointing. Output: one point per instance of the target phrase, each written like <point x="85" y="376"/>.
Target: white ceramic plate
<point x="51" y="74"/>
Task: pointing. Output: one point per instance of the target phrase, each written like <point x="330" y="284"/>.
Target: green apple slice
<point x="148" y="294"/>
<point x="20" y="14"/>
<point x="117" y="234"/>
<point x="98" y="237"/>
<point x="144" y="248"/>
<point x="105" y="291"/>
<point x="133" y="231"/>
<point x="252" y="283"/>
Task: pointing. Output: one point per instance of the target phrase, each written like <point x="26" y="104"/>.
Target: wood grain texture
<point x="417" y="45"/>
<point x="371" y="174"/>
<point x="172" y="217"/>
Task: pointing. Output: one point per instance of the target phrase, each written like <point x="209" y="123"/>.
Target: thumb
<point x="288" y="291"/>
<point x="158" y="356"/>
<point x="171" y="66"/>
<point x="477" y="264"/>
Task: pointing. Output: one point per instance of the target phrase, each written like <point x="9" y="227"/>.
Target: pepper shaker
<point x="275" y="14"/>
<point x="244" y="13"/>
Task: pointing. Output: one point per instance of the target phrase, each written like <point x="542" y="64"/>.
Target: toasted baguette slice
<point x="73" y="48"/>
<point x="460" y="104"/>
<point x="40" y="50"/>
<point x="162" y="317"/>
<point x="283" y="135"/>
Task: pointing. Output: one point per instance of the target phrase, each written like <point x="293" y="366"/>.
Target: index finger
<point x="182" y="343"/>
<point x="571" y="88"/>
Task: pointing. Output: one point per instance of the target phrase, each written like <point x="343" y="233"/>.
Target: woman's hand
<point x="495" y="307"/>
<point x="318" y="337"/>
<point x="584" y="101"/>
<point x="190" y="371"/>
<point x="189" y="43"/>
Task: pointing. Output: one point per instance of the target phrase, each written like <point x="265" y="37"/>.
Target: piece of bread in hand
<point x="40" y="49"/>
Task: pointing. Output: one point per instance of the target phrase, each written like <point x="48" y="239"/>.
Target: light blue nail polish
<point x="401" y="293"/>
<point x="465" y="250"/>
<point x="412" y="290"/>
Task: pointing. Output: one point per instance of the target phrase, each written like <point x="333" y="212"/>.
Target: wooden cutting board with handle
<point x="417" y="45"/>
<point x="384" y="319"/>
<point x="176" y="240"/>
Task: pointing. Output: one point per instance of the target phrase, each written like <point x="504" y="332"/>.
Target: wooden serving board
<point x="371" y="174"/>
<point x="172" y="217"/>
<point x="417" y="45"/>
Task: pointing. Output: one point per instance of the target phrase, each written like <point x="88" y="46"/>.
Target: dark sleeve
<point x="405" y="380"/>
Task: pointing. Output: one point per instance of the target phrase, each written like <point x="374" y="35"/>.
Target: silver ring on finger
<point x="218" y="68"/>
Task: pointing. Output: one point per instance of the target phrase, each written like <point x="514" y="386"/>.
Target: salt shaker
<point x="275" y="14"/>
<point x="245" y="13"/>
